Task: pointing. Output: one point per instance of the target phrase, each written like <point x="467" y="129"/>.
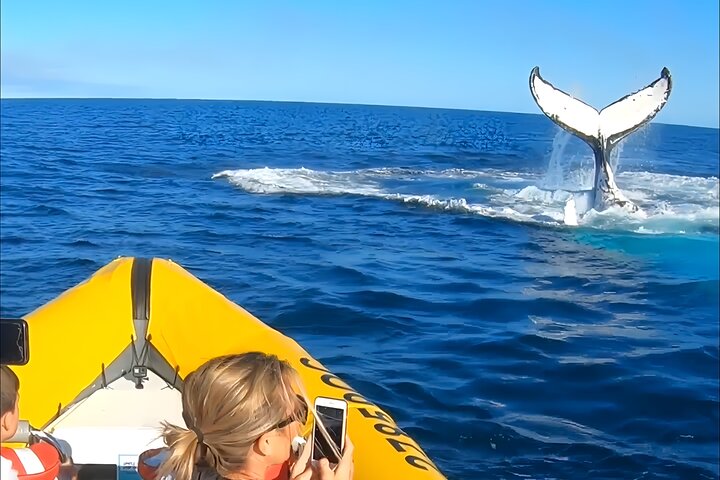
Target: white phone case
<point x="336" y="404"/>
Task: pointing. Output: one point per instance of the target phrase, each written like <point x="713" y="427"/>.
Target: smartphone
<point x="14" y="341"/>
<point x="333" y="415"/>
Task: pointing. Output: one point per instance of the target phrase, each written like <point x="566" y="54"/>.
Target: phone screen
<point x="332" y="419"/>
<point x="13" y="342"/>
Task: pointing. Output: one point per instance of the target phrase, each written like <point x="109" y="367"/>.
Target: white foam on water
<point x="532" y="193"/>
<point x="668" y="203"/>
<point x="299" y="181"/>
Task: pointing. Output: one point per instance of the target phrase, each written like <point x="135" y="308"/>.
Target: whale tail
<point x="603" y="129"/>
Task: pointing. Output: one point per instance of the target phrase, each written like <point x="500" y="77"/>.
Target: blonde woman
<point x="242" y="413"/>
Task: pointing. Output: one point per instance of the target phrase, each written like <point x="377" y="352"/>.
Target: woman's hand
<point x="301" y="469"/>
<point x="344" y="469"/>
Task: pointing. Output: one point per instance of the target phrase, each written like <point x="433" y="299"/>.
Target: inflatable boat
<point x="108" y="358"/>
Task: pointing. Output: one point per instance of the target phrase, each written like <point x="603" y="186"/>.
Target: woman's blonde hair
<point x="228" y="403"/>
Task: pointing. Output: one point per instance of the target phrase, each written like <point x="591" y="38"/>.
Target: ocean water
<point x="420" y="254"/>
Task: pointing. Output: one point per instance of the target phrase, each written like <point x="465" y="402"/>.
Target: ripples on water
<point x="415" y="253"/>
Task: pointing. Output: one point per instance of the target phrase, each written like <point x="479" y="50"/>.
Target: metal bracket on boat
<point x="104" y="378"/>
<point x="175" y="378"/>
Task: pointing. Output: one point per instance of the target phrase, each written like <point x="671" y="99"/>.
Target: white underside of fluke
<point x="118" y="422"/>
<point x="617" y="119"/>
<point x="560" y="107"/>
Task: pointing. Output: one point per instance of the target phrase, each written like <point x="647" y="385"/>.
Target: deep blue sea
<point x="418" y="253"/>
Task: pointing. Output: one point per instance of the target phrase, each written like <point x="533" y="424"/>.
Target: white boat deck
<point x="115" y="424"/>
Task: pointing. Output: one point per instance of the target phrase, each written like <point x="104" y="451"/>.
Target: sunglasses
<point x="300" y="415"/>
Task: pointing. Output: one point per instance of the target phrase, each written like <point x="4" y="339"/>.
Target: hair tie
<point x="198" y="434"/>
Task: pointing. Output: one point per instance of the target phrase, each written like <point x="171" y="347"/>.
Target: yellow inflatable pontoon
<point x="108" y="358"/>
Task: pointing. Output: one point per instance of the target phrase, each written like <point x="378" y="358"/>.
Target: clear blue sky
<point x="474" y="54"/>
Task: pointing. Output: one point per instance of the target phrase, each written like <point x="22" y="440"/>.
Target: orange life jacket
<point x="39" y="461"/>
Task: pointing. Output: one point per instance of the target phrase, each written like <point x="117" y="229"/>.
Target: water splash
<point x="554" y="177"/>
<point x="571" y="165"/>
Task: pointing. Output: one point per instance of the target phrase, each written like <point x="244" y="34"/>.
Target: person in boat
<point x="38" y="461"/>
<point x="242" y="413"/>
<point x="9" y="417"/>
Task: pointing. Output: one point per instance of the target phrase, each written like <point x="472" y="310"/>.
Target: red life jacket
<point x="39" y="461"/>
